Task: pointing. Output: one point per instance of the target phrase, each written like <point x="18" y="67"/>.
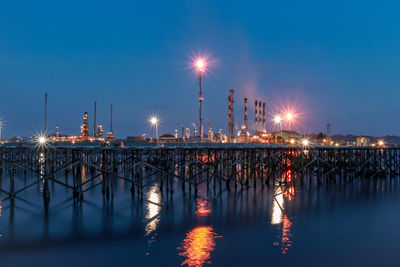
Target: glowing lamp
<point x="153" y="120"/>
<point x="42" y="140"/>
<point x="200" y="64"/>
<point x="289" y="116"/>
<point x="277" y="119"/>
<point x="305" y="142"/>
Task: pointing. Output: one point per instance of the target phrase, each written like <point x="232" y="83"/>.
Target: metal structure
<point x="85" y="127"/>
<point x="259" y="116"/>
<point x="110" y="134"/>
<point x="81" y="169"/>
<point x="94" y="120"/>
<point x="245" y="116"/>
<point x="200" y="102"/>
<point x="45" y="113"/>
<point x="255" y="117"/>
<point x="263" y="119"/>
<point x="231" y="120"/>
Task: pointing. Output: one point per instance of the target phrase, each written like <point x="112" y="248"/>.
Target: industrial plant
<point x="284" y="136"/>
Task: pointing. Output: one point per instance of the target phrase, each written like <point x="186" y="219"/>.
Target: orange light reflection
<point x="198" y="245"/>
<point x="203" y="207"/>
<point x="285" y="242"/>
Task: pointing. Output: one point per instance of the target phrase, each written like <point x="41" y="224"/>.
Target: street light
<point x="381" y="142"/>
<point x="278" y="121"/>
<point x="289" y="117"/>
<point x="305" y="142"/>
<point x="154" y="120"/>
<point x="41" y="141"/>
<point x="200" y="64"/>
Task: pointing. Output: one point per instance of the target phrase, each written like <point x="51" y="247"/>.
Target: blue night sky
<point x="335" y="62"/>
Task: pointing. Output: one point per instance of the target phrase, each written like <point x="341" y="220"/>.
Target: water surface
<point x="343" y="223"/>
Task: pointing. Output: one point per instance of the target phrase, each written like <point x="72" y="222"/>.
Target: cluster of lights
<point x="278" y="119"/>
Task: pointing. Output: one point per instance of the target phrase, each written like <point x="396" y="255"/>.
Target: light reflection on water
<point x="153" y="207"/>
<point x="203" y="207"/>
<point x="190" y="228"/>
<point x="200" y="241"/>
<point x="198" y="245"/>
<point x="279" y="217"/>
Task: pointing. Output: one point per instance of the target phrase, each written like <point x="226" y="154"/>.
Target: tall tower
<point x="263" y="119"/>
<point x="245" y="115"/>
<point x="111" y="120"/>
<point x="259" y="116"/>
<point x="45" y="113"/>
<point x="94" y="120"/>
<point x="230" y="117"/>
<point x="99" y="131"/>
<point x="85" y="127"/>
<point x="255" y="117"/>
<point x="110" y="134"/>
<point x="200" y="65"/>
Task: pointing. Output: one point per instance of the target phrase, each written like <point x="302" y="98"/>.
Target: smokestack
<point x="245" y="115"/>
<point x="230" y="116"/>
<point x="94" y="120"/>
<point x="259" y="116"/>
<point x="264" y="116"/>
<point x="45" y="113"/>
<point x="187" y="133"/>
<point x="255" y="118"/>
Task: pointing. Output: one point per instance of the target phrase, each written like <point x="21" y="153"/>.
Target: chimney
<point x="256" y="117"/>
<point x="259" y="116"/>
<point x="245" y="115"/>
<point x="230" y="116"/>
<point x="94" y="120"/>
<point x="264" y="116"/>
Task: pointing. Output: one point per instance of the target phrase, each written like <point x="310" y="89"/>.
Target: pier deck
<point x="220" y="166"/>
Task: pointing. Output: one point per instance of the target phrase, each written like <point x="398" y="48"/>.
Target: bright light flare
<point x="153" y="120"/>
<point x="289" y="116"/>
<point x="305" y="142"/>
<point x="200" y="64"/>
<point x="41" y="140"/>
<point x="277" y="119"/>
<point x="381" y="142"/>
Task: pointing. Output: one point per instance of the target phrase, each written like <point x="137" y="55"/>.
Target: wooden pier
<point x="218" y="166"/>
